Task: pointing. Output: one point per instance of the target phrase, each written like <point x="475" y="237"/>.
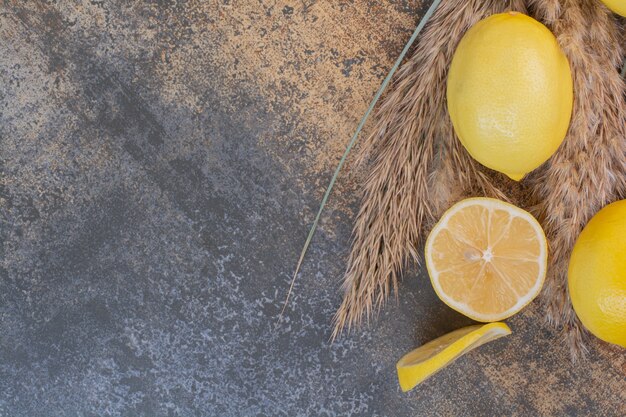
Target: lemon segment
<point x="486" y="259"/>
<point x="597" y="274"/>
<point x="419" y="364"/>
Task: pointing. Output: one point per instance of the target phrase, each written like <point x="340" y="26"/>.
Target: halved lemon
<point x="486" y="258"/>
<point x="419" y="364"/>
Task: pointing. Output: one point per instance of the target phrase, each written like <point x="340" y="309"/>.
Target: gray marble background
<point x="160" y="165"/>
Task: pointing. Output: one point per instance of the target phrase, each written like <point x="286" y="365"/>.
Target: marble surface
<point x="160" y="165"/>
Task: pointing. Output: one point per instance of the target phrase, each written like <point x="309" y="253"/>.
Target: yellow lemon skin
<point x="423" y="362"/>
<point x="617" y="6"/>
<point x="510" y="93"/>
<point x="597" y="274"/>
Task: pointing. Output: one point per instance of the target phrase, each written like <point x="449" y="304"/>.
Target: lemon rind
<point x="410" y="376"/>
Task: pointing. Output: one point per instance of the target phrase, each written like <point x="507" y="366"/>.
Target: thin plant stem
<point x="382" y="88"/>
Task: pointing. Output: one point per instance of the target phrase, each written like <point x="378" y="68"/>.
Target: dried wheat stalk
<point x="589" y="169"/>
<point x="419" y="167"/>
<point x="415" y="152"/>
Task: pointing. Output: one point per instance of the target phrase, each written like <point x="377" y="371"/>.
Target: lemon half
<point x="486" y="258"/>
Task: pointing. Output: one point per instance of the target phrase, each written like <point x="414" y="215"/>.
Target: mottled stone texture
<point x="160" y="164"/>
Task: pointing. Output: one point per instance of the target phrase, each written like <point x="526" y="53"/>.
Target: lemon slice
<point x="419" y="364"/>
<point x="486" y="258"/>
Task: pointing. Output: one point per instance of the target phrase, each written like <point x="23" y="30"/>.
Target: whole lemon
<point x="510" y="93"/>
<point x="597" y="274"/>
<point x="617" y="6"/>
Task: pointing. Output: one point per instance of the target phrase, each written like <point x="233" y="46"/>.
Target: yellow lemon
<point x="510" y="93"/>
<point x="419" y="364"/>
<point x="486" y="258"/>
<point x="597" y="274"/>
<point x="617" y="6"/>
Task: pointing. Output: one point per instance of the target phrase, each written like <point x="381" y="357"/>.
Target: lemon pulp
<point x="486" y="258"/>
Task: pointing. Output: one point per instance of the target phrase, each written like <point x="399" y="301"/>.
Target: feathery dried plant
<point x="419" y="166"/>
<point x="416" y="160"/>
<point x="589" y="169"/>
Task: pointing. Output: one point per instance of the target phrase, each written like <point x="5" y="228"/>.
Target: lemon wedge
<point x="426" y="360"/>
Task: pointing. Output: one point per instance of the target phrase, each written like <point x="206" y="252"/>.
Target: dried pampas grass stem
<point x="418" y="165"/>
<point x="382" y="88"/>
<point x="589" y="169"/>
<point x="419" y="168"/>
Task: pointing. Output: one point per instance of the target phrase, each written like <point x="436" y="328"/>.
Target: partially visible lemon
<point x="419" y="364"/>
<point x="486" y="258"/>
<point x="510" y="93"/>
<point x="617" y="6"/>
<point x="597" y="274"/>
